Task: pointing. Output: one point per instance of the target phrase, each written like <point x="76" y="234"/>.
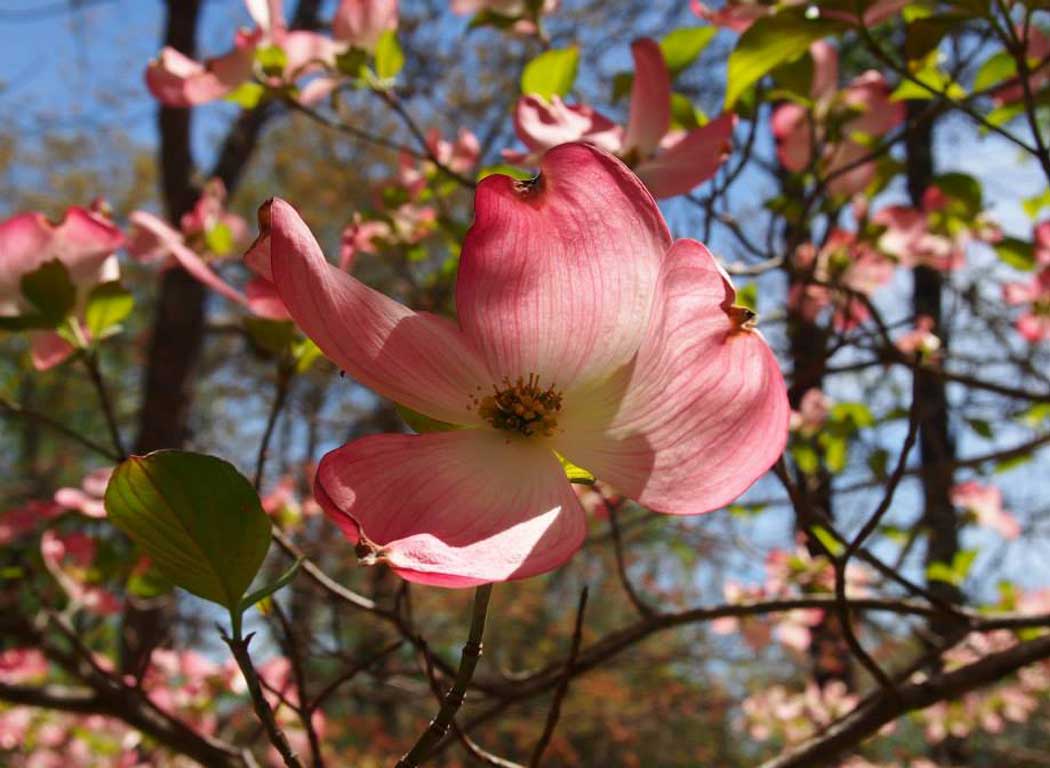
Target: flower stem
<point x="454" y="698"/>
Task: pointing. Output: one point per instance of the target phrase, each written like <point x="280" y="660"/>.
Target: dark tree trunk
<point x="936" y="446"/>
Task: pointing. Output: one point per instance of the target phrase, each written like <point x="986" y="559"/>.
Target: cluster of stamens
<point x="521" y="406"/>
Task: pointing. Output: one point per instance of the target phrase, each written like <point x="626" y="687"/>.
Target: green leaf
<point x="852" y="415"/>
<point x="836" y="452"/>
<point x="506" y="169"/>
<point x="878" y="462"/>
<point x="963" y="189"/>
<point x="421" y="423"/>
<point x="552" y="73"/>
<point x="768" y="43"/>
<point x="996" y="68"/>
<point x="264" y="592"/>
<point x="1035" y="204"/>
<point x="273" y="336"/>
<point x="932" y="82"/>
<point x="352" y="62"/>
<point x="390" y="59"/>
<point x="271" y="59"/>
<point x="806" y="458"/>
<point x="1012" y="463"/>
<point x="247" y="95"/>
<point x="827" y="540"/>
<point x="107" y="306"/>
<point x="219" y="239"/>
<point x="981" y="427"/>
<point x="795" y="77"/>
<point x="1036" y="415"/>
<point x="305" y="353"/>
<point x="1000" y="116"/>
<point x="51" y="291"/>
<point x="622" y="83"/>
<point x="574" y="473"/>
<point x="938" y="571"/>
<point x="196" y="517"/>
<point x="683" y="114"/>
<point x="747" y="296"/>
<point x="680" y="47"/>
<point x="1016" y="253"/>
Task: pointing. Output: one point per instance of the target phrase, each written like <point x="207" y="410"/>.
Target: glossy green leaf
<point x="827" y="539"/>
<point x="684" y="116"/>
<point x="247" y="95"/>
<point x="768" y="43"/>
<point x="681" y="46"/>
<point x="273" y="336"/>
<point x="996" y="68"/>
<point x="552" y="73"/>
<point x="51" y="291"/>
<point x="196" y="517"/>
<point x="1016" y="253"/>
<point x="390" y="59"/>
<point x="107" y="306"/>
<point x="280" y="583"/>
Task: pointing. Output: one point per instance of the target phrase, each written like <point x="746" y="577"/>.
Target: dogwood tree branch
<point x="824" y="750"/>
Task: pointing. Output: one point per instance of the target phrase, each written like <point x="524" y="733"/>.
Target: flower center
<point x="521" y="406"/>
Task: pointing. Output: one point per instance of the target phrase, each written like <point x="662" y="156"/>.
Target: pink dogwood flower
<point x="738" y="15"/>
<point x="1034" y="295"/>
<point x="85" y="241"/>
<point x="921" y="340"/>
<point x="176" y="80"/>
<point x="834" y="122"/>
<point x="932" y="235"/>
<point x="88" y="498"/>
<point x="985" y="503"/>
<point x="583" y="331"/>
<point x="525" y="18"/>
<point x="154" y="240"/>
<point x="20" y="521"/>
<point x="670" y="162"/>
<point x="844" y="267"/>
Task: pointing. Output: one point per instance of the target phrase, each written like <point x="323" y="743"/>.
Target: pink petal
<point x="703" y="411"/>
<point x="420" y="360"/>
<point x="870" y="93"/>
<point x="650" y="116"/>
<point x="187" y="259"/>
<point x="361" y="22"/>
<point x="264" y="301"/>
<point x="83" y="241"/>
<point x="690" y="161"/>
<point x="825" y="69"/>
<point x="793" y="132"/>
<point x="541" y="125"/>
<point x="454" y="508"/>
<point x="48" y="349"/>
<point x="178" y="81"/>
<point x="557" y="276"/>
<point x="267" y="14"/>
<point x="307" y="51"/>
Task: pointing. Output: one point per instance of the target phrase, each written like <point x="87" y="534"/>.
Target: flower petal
<point x="793" y="131"/>
<point x="454" y="508"/>
<point x="420" y="360"/>
<point x="172" y="242"/>
<point x="703" y="413"/>
<point x="650" y="116"/>
<point x="825" y="69"/>
<point x="176" y="80"/>
<point x="361" y="22"/>
<point x="542" y="125"/>
<point x="690" y="161"/>
<point x="557" y="276"/>
<point x="264" y="301"/>
<point x="48" y="349"/>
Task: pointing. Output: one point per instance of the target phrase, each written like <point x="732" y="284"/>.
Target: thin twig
<point x="90" y="359"/>
<point x="454" y="699"/>
<point x="621" y="567"/>
<point x="284" y="380"/>
<point x="239" y="648"/>
<point x="30" y="415"/>
<point x="563" y="686"/>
